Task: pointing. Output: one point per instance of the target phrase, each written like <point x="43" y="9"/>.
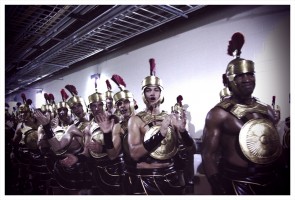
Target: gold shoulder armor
<point x="224" y="104"/>
<point x="240" y="110"/>
<point x="147" y="118"/>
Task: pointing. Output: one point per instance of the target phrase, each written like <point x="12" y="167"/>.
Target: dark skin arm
<point x="212" y="139"/>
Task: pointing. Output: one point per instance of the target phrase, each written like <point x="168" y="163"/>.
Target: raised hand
<point x="105" y="122"/>
<point x="42" y="119"/>
<point x="179" y="120"/>
<point x="165" y="124"/>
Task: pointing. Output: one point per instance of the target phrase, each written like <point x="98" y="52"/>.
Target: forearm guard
<point x="108" y="143"/>
<point x="48" y="131"/>
<point x="153" y="142"/>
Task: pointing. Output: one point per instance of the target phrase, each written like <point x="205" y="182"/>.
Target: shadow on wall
<point x="191" y="127"/>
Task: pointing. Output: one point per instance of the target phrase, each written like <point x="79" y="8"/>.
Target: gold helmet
<point x="51" y="107"/>
<point x="43" y="108"/>
<point x="75" y="98"/>
<point x="50" y="104"/>
<point x="63" y="103"/>
<point x="123" y="93"/>
<point x="109" y="93"/>
<point x="152" y="80"/>
<point x="96" y="96"/>
<point x="25" y="107"/>
<point x="238" y="65"/>
<point x="178" y="106"/>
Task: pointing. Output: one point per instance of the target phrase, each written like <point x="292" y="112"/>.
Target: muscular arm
<point x="211" y="141"/>
<point x="114" y="152"/>
<point x="111" y="130"/>
<point x="87" y="141"/>
<point x="135" y="140"/>
<point x="17" y="135"/>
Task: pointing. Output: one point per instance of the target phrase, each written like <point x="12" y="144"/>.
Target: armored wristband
<point x="48" y="131"/>
<point x="186" y="138"/>
<point x="108" y="143"/>
<point x="153" y="142"/>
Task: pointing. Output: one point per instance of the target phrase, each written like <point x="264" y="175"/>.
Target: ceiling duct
<point x="43" y="39"/>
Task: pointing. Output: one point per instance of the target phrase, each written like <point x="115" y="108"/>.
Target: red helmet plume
<point x="179" y="100"/>
<point x="235" y="44"/>
<point x="119" y="81"/>
<point x="23" y="96"/>
<point x="108" y="85"/>
<point x="152" y="67"/>
<point x="72" y="89"/>
<point x="64" y="95"/>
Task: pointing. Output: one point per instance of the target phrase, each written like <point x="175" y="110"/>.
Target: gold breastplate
<point x="58" y="133"/>
<point x="29" y="137"/>
<point x="168" y="147"/>
<point x="258" y="138"/>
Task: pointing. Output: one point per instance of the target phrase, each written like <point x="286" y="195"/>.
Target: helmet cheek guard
<point x="224" y="93"/>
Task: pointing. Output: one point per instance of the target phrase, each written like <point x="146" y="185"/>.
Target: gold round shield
<point x="168" y="147"/>
<point x="97" y="135"/>
<point x="259" y="141"/>
<point x="31" y="139"/>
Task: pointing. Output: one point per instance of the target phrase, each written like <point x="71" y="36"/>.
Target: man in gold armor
<point x="153" y="142"/>
<point x="125" y="107"/>
<point x="25" y="147"/>
<point x="70" y="172"/>
<point x="102" y="147"/>
<point x="241" y="148"/>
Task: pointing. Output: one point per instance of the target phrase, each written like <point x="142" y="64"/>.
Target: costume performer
<point x="153" y="142"/>
<point x="242" y="131"/>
